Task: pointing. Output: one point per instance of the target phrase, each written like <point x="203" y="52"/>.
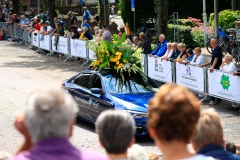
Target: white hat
<point x="79" y="29"/>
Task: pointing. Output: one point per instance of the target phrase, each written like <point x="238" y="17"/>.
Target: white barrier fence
<point x="160" y="70"/>
<point x="190" y="76"/>
<point x="218" y="84"/>
<point x="224" y="85"/>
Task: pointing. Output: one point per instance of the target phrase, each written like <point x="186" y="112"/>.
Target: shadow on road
<point x="39" y="61"/>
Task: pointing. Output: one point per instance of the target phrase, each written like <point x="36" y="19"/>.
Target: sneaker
<point x="212" y="103"/>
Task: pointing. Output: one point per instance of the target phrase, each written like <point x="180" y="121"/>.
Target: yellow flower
<point x="102" y="50"/>
<point x="115" y="42"/>
<point x="115" y="60"/>
<point x="115" y="67"/>
<point x="124" y="61"/>
<point x="117" y="63"/>
<point x="120" y="65"/>
<point x="97" y="63"/>
<point x="118" y="53"/>
<point x="119" y="57"/>
<point x="112" y="59"/>
<point x="107" y="52"/>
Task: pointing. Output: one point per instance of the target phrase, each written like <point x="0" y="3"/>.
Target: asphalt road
<point x="21" y="71"/>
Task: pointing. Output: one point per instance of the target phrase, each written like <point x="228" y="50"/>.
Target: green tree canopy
<point x="145" y="9"/>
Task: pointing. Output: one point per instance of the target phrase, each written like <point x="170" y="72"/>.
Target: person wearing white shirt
<point x="198" y="59"/>
<point x="168" y="52"/>
<point x="229" y="67"/>
<point x="49" y="28"/>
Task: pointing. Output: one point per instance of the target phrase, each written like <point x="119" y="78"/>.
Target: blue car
<point x="95" y="92"/>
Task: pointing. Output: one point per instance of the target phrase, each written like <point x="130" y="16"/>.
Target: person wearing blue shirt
<point x="175" y="53"/>
<point x="162" y="46"/>
<point x="85" y="24"/>
<point x="87" y="34"/>
<point x="208" y="136"/>
<point x="86" y="15"/>
<point x="190" y="54"/>
<point x="25" y="21"/>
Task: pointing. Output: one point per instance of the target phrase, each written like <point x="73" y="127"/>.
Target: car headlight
<point x="136" y="114"/>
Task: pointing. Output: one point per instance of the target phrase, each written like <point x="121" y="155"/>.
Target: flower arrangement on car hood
<point x="117" y="56"/>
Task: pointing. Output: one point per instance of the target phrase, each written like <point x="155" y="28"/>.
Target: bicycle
<point x="223" y="43"/>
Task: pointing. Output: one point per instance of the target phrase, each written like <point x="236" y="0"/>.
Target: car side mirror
<point x="96" y="91"/>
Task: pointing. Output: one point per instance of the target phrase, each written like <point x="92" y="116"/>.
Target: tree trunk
<point x="107" y="13"/>
<point x="158" y="24"/>
<point x="162" y="16"/>
<point x="16" y="6"/>
<point x="44" y="7"/>
<point x="51" y="9"/>
<point x="104" y="20"/>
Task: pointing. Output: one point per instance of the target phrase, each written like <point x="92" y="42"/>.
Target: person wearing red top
<point x="37" y="25"/>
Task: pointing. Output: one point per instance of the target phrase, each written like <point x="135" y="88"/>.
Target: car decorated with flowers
<point x="116" y="81"/>
<point x="96" y="91"/>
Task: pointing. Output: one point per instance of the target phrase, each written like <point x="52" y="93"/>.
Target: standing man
<point x="107" y="35"/>
<point x="73" y="19"/>
<point x="41" y="15"/>
<point x="215" y="63"/>
<point x="86" y="15"/>
<point x="146" y="45"/>
<point x="113" y="10"/>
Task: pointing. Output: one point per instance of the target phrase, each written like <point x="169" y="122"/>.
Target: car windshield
<point x="133" y="84"/>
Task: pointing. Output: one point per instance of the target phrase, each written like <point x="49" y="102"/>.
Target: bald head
<point x="214" y="42"/>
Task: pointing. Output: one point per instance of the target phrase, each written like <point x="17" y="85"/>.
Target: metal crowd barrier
<point x="217" y="84"/>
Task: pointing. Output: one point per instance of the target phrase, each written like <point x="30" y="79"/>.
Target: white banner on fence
<point x="45" y="43"/>
<point x="78" y="48"/>
<point x="35" y="39"/>
<point x="91" y="54"/>
<point x="190" y="76"/>
<point x="62" y="46"/>
<point x="224" y="85"/>
<point x="159" y="70"/>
